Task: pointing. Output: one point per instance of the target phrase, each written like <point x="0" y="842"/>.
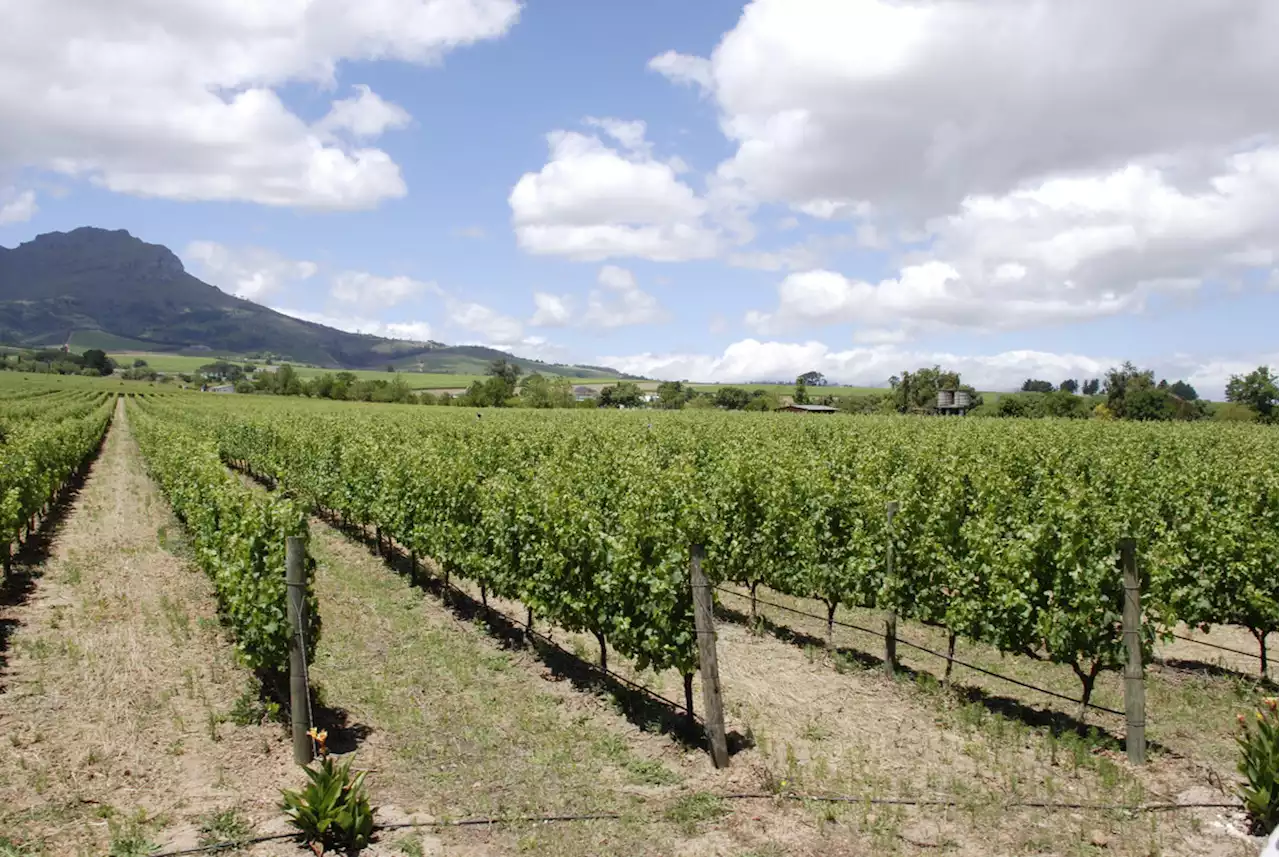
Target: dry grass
<point x="115" y="720"/>
<point x="836" y="724"/>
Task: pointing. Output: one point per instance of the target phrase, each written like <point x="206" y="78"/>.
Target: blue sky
<point x="707" y="190"/>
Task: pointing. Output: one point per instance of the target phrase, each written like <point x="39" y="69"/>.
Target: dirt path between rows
<point x="116" y="710"/>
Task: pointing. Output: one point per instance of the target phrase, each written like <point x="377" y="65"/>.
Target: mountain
<point x="112" y="288"/>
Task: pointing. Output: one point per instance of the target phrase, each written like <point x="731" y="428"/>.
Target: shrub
<point x="1258" y="761"/>
<point x="332" y="811"/>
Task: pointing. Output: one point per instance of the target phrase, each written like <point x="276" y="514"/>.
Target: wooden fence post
<point x="891" y="617"/>
<point x="299" y="691"/>
<point x="1135" y="698"/>
<point x="704" y="621"/>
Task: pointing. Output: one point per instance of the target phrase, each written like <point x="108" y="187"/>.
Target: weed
<point x="15" y="848"/>
<point x="129" y="838"/>
<point x="815" y="731"/>
<point x="250" y="710"/>
<point x="650" y="772"/>
<point x="410" y="846"/>
<point x="178" y="620"/>
<point x="213" y="720"/>
<point x="226" y="825"/>
<point x="699" y="806"/>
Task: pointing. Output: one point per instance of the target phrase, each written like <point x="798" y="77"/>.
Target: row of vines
<point x="44" y="441"/>
<point x="238" y="534"/>
<point x="1006" y="532"/>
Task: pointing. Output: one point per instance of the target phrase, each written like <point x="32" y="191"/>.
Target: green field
<point x="788" y="389"/>
<point x="80" y="340"/>
<point x="185" y="363"/>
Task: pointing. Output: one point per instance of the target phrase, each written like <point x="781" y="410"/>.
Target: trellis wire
<point x="929" y="651"/>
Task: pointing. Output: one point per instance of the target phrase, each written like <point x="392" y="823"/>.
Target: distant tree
<point x="97" y="359"/>
<point x="506" y="374"/>
<point x="1071" y="385"/>
<point x="625" y="394"/>
<point x="917" y="392"/>
<point x="1032" y="385"/>
<point x="1124" y="382"/>
<point x="1149" y="404"/>
<point x="287" y="381"/>
<point x="801" y="396"/>
<point x="222" y="370"/>
<point x="535" y="391"/>
<point x="870" y="403"/>
<point x="733" y="398"/>
<point x="1256" y="390"/>
<point x="390" y="368"/>
<point x="1183" y="391"/>
<point x="560" y="393"/>
<point x="1091" y="387"/>
<point x="812" y="379"/>
<point x="672" y="395"/>
<point x="1015" y="405"/>
<point x="138" y="363"/>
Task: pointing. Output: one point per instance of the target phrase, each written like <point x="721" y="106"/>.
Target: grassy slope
<point x="434" y="380"/>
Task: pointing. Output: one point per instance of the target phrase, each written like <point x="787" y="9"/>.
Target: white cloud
<point x="621" y="303"/>
<point x="683" y="69"/>
<point x="628" y="133"/>
<point x="370" y="290"/>
<point x="490" y="324"/>
<point x="416" y="331"/>
<point x="551" y="310"/>
<point x="179" y="100"/>
<point x="1022" y="163"/>
<point x="247" y="272"/>
<point x="365" y="116"/>
<point x="17" y="207"/>
<point x="591" y="202"/>
<point x="1069" y="249"/>
<point x="754" y="360"/>
<point x="914" y="107"/>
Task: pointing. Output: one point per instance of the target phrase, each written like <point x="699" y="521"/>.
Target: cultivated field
<point x="132" y="717"/>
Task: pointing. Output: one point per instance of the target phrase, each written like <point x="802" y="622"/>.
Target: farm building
<point x="581" y="394"/>
<point x="954" y="402"/>
<point x="808" y="409"/>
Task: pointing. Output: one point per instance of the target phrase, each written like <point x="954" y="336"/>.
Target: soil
<point x="119" y="683"/>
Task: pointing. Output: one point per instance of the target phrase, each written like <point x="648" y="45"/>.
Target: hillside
<point x="118" y="292"/>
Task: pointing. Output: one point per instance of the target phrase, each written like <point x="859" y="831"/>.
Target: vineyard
<point x="45" y="439"/>
<point x="1006" y="533"/>
<point x="539" y="547"/>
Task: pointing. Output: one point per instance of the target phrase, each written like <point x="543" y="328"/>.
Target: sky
<point x="708" y="191"/>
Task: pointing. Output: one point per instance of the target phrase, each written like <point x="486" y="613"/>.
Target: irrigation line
<point x="951" y="802"/>
<point x="912" y="645"/>
<point x="1215" y="646"/>
<point x="496" y="821"/>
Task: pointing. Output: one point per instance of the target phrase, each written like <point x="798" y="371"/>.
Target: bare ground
<point x="823" y="723"/>
<point x="114" y="714"/>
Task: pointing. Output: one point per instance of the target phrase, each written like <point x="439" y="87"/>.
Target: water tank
<point x="946" y="398"/>
<point x="962" y="398"/>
